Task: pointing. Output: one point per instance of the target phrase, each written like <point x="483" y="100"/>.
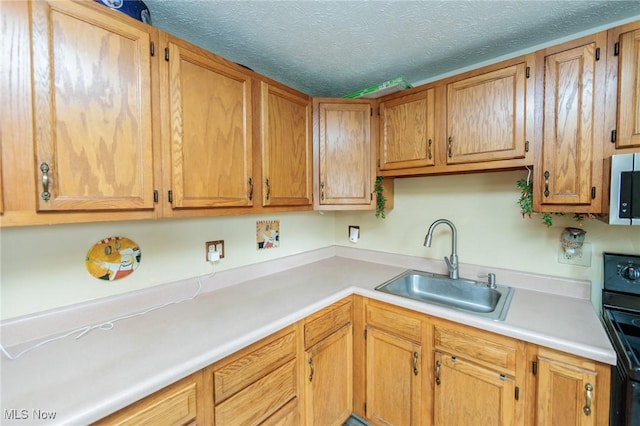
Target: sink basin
<point x="464" y="295"/>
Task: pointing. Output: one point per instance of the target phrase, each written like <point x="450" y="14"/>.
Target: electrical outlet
<point x="582" y="256"/>
<point x="217" y="245"/>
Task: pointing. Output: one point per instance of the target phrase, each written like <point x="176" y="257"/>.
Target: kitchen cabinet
<point x="208" y="110"/>
<point x="568" y="175"/>
<point x="258" y="383"/>
<point x="394" y="367"/>
<point x="623" y="89"/>
<point x="344" y="154"/>
<point x="407" y="131"/>
<point x="487" y="115"/>
<point x="181" y="403"/>
<point x="93" y="140"/>
<point x="328" y="359"/>
<point x="570" y="390"/>
<point x="475" y="377"/>
<point x="286" y="146"/>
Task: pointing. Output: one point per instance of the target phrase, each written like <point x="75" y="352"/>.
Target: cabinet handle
<point x="429" y="149"/>
<point x="438" y="364"/>
<point x="311" y="367"/>
<point x="266" y="182"/>
<point x="546" y="183"/>
<point x="46" y="195"/>
<point x="322" y="190"/>
<point x="415" y="363"/>
<point x="588" y="394"/>
<point x="250" y="189"/>
<point x="449" y="146"/>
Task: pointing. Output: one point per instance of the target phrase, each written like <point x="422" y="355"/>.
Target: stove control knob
<point x="631" y="273"/>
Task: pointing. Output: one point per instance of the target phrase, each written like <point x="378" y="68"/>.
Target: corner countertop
<point x="82" y="380"/>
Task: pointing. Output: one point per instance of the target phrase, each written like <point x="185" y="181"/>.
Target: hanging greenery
<point x="380" y="200"/>
<point x="526" y="204"/>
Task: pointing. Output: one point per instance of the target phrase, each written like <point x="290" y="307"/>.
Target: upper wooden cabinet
<point x="344" y="154"/>
<point x="623" y="89"/>
<point x="286" y="147"/>
<point x="407" y="131"/>
<point x="209" y="114"/>
<point x="486" y="116"/>
<point x="92" y="107"/>
<point x="569" y="174"/>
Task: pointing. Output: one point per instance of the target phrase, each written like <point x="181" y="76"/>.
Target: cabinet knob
<point x="449" y="146"/>
<point x="268" y="187"/>
<point x="250" y="189"/>
<point x="430" y="142"/>
<point x="415" y="363"/>
<point x="546" y="183"/>
<point x="438" y="364"/>
<point x="588" y="388"/>
<point x="46" y="195"/>
<point x="311" y="368"/>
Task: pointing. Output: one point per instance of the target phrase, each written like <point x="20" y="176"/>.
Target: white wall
<point x="491" y="231"/>
<point x="43" y="267"/>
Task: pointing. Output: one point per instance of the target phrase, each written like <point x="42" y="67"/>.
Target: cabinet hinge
<point x="534" y="367"/>
<point x="593" y="192"/>
<point x="516" y="393"/>
<point x="379" y="110"/>
<point x="528" y="72"/>
<point x="597" y="53"/>
<point x="166" y="54"/>
<point x="616" y="48"/>
<point x="365" y="334"/>
<point x="614" y="136"/>
<point x="371" y="196"/>
<point x="152" y="49"/>
<point x="170" y="196"/>
<point x="378" y="162"/>
<point x="155" y="196"/>
<point x="526" y="146"/>
<point x="365" y="408"/>
<point x="371" y="111"/>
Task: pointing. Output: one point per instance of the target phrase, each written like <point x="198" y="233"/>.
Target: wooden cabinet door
<point x="345" y="173"/>
<point x="93" y="110"/>
<point x="486" y="116"/>
<point x="572" y="134"/>
<point x="393" y="380"/>
<point x="566" y="394"/>
<point x="210" y="119"/>
<point x="628" y="126"/>
<point x="467" y="394"/>
<point x="287" y="148"/>
<point x="407" y="131"/>
<point x="329" y="379"/>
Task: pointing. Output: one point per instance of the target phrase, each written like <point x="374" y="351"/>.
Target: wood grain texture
<point x="327" y="322"/>
<point x="288" y="415"/>
<point x="471" y="394"/>
<point x="407" y="131"/>
<point x="628" y="135"/>
<point x="329" y="384"/>
<point x="394" y="321"/>
<point x="286" y="147"/>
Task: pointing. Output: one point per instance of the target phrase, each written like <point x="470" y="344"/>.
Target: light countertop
<point x="85" y="379"/>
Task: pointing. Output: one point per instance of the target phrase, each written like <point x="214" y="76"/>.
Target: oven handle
<point x="588" y="394"/>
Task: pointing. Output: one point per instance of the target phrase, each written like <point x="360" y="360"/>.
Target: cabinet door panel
<point x="286" y="148"/>
<point x="393" y="394"/>
<point x="486" y="116"/>
<point x="329" y="379"/>
<point x="210" y="131"/>
<point x="468" y="394"/>
<point x="568" y="134"/>
<point x="629" y="91"/>
<point x="407" y="129"/>
<point x="92" y="92"/>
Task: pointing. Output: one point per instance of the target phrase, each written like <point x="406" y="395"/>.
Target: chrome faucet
<point x="452" y="263"/>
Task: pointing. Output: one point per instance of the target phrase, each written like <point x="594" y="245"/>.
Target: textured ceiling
<point x="332" y="48"/>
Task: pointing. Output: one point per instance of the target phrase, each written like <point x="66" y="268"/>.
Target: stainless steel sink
<point x="464" y="295"/>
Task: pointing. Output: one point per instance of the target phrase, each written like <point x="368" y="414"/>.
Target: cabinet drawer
<point x="258" y="401"/>
<point x="394" y="322"/>
<point x="245" y="370"/>
<point x="471" y="345"/>
<point x="327" y="322"/>
<point x="285" y="416"/>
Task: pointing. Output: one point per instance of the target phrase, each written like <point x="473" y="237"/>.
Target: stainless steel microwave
<point x="624" y="202"/>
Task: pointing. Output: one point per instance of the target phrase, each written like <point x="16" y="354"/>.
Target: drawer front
<point x="175" y="405"/>
<point x="327" y="323"/>
<point x="261" y="400"/>
<point x="468" y="345"/>
<point x="394" y="322"/>
<point x="242" y="372"/>
<point x="286" y="416"/>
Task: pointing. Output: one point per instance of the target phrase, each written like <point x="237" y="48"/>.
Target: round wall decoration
<point x="113" y="258"/>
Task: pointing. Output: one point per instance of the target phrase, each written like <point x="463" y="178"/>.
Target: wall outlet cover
<point x="582" y="256"/>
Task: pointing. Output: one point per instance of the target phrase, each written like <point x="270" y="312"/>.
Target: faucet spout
<point x="452" y="261"/>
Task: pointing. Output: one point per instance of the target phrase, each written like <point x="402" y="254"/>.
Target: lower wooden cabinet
<point x="179" y="404"/>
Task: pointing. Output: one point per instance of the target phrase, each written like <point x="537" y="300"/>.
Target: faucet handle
<point x="491" y="279"/>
